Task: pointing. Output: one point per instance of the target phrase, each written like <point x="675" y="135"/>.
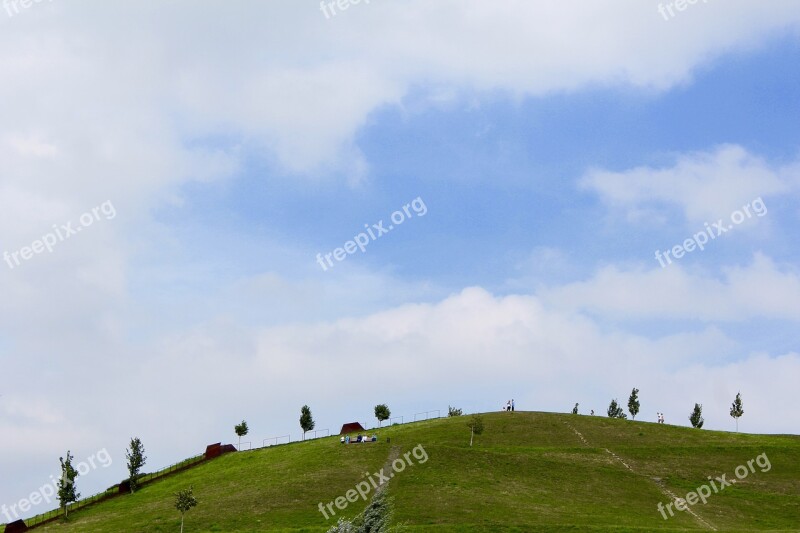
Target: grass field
<point x="527" y="472"/>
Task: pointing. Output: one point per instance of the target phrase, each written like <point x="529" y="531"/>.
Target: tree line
<point x="695" y="417"/>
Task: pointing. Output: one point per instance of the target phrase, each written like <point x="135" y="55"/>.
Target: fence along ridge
<point x="116" y="490"/>
<point x="113" y="491"/>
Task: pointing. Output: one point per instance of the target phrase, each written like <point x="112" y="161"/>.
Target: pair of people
<point x="509" y="405"/>
<point x="660" y="418"/>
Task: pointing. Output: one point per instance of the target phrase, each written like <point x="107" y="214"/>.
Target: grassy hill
<point x="527" y="472"/>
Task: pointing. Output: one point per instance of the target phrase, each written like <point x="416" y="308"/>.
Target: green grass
<point x="527" y="472"/>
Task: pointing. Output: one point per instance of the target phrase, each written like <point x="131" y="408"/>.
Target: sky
<point x="216" y="211"/>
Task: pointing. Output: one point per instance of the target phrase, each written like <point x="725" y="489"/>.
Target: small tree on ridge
<point x="306" y="420"/>
<point x="382" y="413"/>
<point x="241" y="430"/>
<point x="136" y="460"/>
<point x="696" y="418"/>
<point x="737" y="409"/>
<point x="633" y="403"/>
<point x="615" y="411"/>
<point x="66" y="484"/>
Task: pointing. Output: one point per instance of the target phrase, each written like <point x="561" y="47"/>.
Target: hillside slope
<point x="527" y="472"/>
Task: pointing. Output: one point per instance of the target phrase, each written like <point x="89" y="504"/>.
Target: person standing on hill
<point x="508" y="405"/>
<point x="512" y="405"/>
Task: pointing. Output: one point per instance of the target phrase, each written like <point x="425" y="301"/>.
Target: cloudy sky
<point x="177" y="177"/>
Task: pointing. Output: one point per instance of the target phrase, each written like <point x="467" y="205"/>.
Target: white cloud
<point x="472" y="349"/>
<point x="704" y="186"/>
<point x="471" y="345"/>
<point x="759" y="290"/>
<point x="301" y="86"/>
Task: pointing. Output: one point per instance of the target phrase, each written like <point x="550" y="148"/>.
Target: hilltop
<point x="528" y="471"/>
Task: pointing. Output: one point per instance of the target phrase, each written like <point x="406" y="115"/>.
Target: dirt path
<point x="386" y="469"/>
<point x="664" y="490"/>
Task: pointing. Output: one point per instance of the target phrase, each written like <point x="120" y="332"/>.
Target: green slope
<point x="527" y="472"/>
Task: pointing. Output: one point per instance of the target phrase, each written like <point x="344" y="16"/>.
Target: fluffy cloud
<point x="759" y="290"/>
<point x="472" y="349"/>
<point x="300" y="85"/>
<point x="704" y="186"/>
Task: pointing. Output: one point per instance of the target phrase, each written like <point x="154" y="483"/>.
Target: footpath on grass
<point x="664" y="490"/>
<point x="212" y="451"/>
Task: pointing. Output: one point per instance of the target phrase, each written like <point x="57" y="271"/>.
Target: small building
<point x="352" y="427"/>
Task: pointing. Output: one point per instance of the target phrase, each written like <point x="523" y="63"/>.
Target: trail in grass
<point x="658" y="483"/>
<point x="394" y="453"/>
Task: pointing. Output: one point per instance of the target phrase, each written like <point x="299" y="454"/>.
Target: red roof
<point x="352" y="427"/>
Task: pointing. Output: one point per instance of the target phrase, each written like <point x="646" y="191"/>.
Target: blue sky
<point x="501" y="176"/>
<point x="554" y="151"/>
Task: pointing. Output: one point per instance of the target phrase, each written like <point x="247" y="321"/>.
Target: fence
<point x="273" y="441"/>
<point x="186" y="463"/>
<point x="55" y="513"/>
<point x="249" y="446"/>
<point x="111" y="491"/>
<point x="287" y="437"/>
<point x="315" y="431"/>
<point x="427" y="413"/>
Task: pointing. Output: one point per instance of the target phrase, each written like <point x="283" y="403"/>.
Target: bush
<point x="343" y="526"/>
<point x="615" y="411"/>
<point x="377" y="514"/>
<point x="375" y="519"/>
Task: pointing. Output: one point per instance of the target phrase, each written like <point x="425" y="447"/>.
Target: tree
<point x="575" y="409"/>
<point x="615" y="411"/>
<point x="696" y="418"/>
<point x="382" y="412"/>
<point x="241" y="430"/>
<point x="66" y="484"/>
<point x="475" y="425"/>
<point x="185" y="500"/>
<point x="306" y="421"/>
<point x="136" y="459"/>
<point x="737" y="409"/>
<point x="633" y="403"/>
<point x="452" y="411"/>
